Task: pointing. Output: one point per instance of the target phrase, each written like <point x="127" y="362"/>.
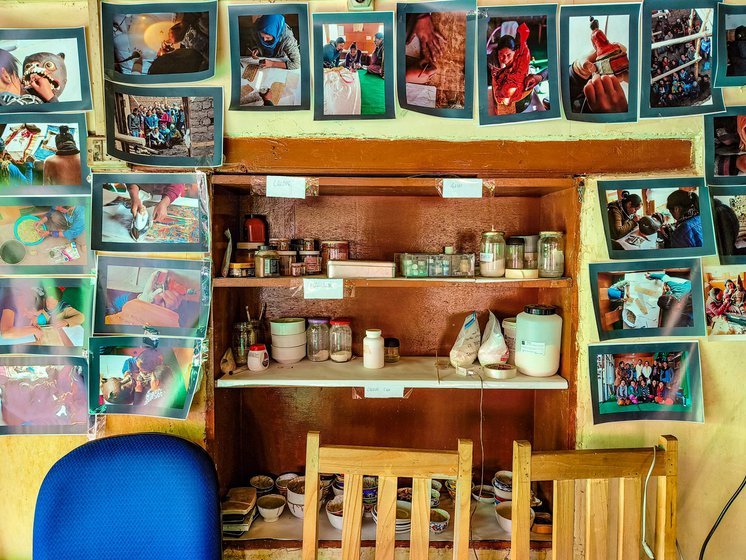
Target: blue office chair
<point x="133" y="497"/>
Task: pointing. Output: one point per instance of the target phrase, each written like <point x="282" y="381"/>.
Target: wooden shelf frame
<point x="352" y="283"/>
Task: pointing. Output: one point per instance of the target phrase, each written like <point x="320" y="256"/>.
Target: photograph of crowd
<point x="635" y="299"/>
<point x="43" y="395"/>
<point x="520" y="67"/>
<point x="43" y="70"/>
<point x="726" y="298"/>
<point x="129" y="376"/>
<point x="174" y="44"/>
<point x="725" y="147"/>
<point x="729" y="211"/>
<point x="649" y="381"/>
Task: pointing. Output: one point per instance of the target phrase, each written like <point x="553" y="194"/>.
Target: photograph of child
<point x="43" y="395"/>
<point x="270" y="56"/>
<point x="169" y="296"/>
<point x="156" y="126"/>
<point x="656" y="218"/>
<point x="678" y="55"/>
<point x="635" y="299"/>
<point x="154" y="212"/>
<point x="174" y="44"/>
<point x="729" y="211"/>
<point x="43" y="70"/>
<point x="726" y="298"/>
<point x="44" y="312"/>
<point x="131" y="377"/>
<point x="649" y="381"/>
<point x="350" y="71"/>
<point x="730" y="47"/>
<point x="725" y="147"/>
<point x="599" y="62"/>
<point x="518" y="80"/>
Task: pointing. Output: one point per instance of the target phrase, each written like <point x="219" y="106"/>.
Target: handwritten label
<point x="323" y="288"/>
<point x="279" y="186"/>
<point x="384" y="392"/>
<point x="462" y="188"/>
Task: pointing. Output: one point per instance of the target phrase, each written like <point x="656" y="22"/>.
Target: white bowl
<point x="335" y="504"/>
<point x="281" y="482"/>
<point x="484" y="493"/>
<point x="287" y="325"/>
<point x="504" y="514"/>
<point x="289" y="355"/>
<point x="337" y="491"/>
<point x="288" y="340"/>
<point x="271" y="507"/>
<point x="296" y="509"/>
<point x="293" y="496"/>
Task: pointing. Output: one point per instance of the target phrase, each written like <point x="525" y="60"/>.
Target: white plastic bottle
<point x="373" y="349"/>
<point x="538" y="338"/>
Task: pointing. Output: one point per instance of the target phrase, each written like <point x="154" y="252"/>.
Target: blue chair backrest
<point x="131" y="497"/>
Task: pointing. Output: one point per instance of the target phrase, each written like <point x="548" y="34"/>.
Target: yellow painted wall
<point x="713" y="455"/>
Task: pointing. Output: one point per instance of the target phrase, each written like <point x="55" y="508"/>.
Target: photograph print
<point x="44" y="70"/>
<point x="599" y="62"/>
<point x="270" y="62"/>
<point x="646" y="381"/>
<point x="730" y="64"/>
<point x="175" y="127"/>
<point x="678" y="58"/>
<point x="168" y="296"/>
<point x="159" y="43"/>
<point x="352" y="79"/>
<point x="43" y="395"/>
<point x="729" y="212"/>
<point x="726" y="300"/>
<point x="725" y="147"/>
<point x="435" y="57"/>
<point x="656" y="218"/>
<point x="131" y="375"/>
<point x="636" y="299"/>
<point x="150" y="212"/>
<point x="518" y="78"/>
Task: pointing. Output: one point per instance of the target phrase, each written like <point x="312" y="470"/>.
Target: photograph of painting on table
<point x="43" y="70"/>
<point x="169" y="296"/>
<point x="730" y="63"/>
<point x="725" y="147"/>
<point x="159" y="43"/>
<point x="165" y="126"/>
<point x="646" y="381"/>
<point x="45" y="235"/>
<point x="42" y="154"/>
<point x="518" y="64"/>
<point x="678" y="58"/>
<point x="155" y="212"/>
<point x="270" y="57"/>
<point x="729" y="211"/>
<point x="435" y="59"/>
<point x="131" y="376"/>
<point x="661" y="218"/>
<point x="599" y="62"/>
<point x="726" y="299"/>
<point x="350" y="70"/>
<point x="645" y="298"/>
<point x="39" y="313"/>
<point x="43" y="395"/>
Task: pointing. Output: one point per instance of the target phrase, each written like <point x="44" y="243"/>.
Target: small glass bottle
<point x="241" y="342"/>
<point x="492" y="254"/>
<point x="317" y="340"/>
<point x="373" y="349"/>
<point x="551" y="254"/>
<point x="514" y="254"/>
<point x="340" y="341"/>
<point x="390" y="350"/>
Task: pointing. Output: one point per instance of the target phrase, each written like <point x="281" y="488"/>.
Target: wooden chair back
<point x="388" y="464"/>
<point x="596" y="467"/>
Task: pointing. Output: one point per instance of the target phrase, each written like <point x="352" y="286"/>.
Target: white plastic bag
<point x="494" y="350"/>
<point x="466" y="347"/>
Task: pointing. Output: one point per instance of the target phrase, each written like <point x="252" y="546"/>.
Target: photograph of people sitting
<point x="726" y="298"/>
<point x="729" y="145"/>
<point x="729" y="213"/>
<point x="735" y="38"/>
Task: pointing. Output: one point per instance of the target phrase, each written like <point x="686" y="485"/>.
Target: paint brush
<point x="261" y="313"/>
<point x="248" y="314"/>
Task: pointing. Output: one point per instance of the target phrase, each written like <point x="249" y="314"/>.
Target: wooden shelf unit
<point x="351" y="283"/>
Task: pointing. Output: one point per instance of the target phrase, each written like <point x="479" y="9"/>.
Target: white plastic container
<point x="538" y="338"/>
<point x="360" y="269"/>
<point x="373" y="349"/>
<point x="509" y="334"/>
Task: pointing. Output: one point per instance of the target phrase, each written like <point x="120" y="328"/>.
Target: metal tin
<point x="312" y="260"/>
<point x="335" y="251"/>
<point x="309" y="244"/>
<point x="297" y="269"/>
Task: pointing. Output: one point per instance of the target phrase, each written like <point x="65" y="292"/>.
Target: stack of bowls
<point x="451" y="488"/>
<point x="503" y="485"/>
<point x="297" y="496"/>
<point x="338" y="486"/>
<point x="405" y="495"/>
<point x="370" y="493"/>
<point x="263" y="484"/>
<point x="403" y="516"/>
<point x="281" y="482"/>
<point x="288" y="340"/>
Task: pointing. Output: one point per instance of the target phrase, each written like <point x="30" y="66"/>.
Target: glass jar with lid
<point x="514" y="253"/>
<point x="492" y="254"/>
<point x="244" y="335"/>
<point x="340" y="340"/>
<point x="317" y="340"/>
<point x="551" y="254"/>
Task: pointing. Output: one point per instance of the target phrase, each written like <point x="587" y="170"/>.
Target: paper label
<point x="486" y="257"/>
<point x="384" y="392"/>
<point x="462" y="188"/>
<point x="537" y="348"/>
<point x="279" y="186"/>
<point x="323" y="288"/>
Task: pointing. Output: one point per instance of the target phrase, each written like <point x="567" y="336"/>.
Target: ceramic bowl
<point x="484" y="493"/>
<point x="297" y="490"/>
<point x="434" y="498"/>
<point x="271" y="507"/>
<point x="405" y="495"/>
<point x="436" y="485"/>
<point x="370" y="488"/>
<point x="504" y="514"/>
<point x="287" y="325"/>
<point x="289" y="355"/>
<point x="263" y="484"/>
<point x="337" y="490"/>
<point x="439" y="519"/>
<point x="288" y="340"/>
<point x="334" y="511"/>
<point x="296" y="509"/>
<point x="281" y="482"/>
<point x="503" y="480"/>
<point x="451" y="488"/>
<point x="326" y="480"/>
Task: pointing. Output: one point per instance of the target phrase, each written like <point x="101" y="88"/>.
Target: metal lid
<point x="537" y="309"/>
<point x="257" y="347"/>
<point x="314" y="253"/>
<point x="550" y="233"/>
<point x="318" y="321"/>
<point x="516" y="241"/>
<point x="391" y="342"/>
<point x="448" y="250"/>
<point x="346" y="322"/>
<point x="493" y="234"/>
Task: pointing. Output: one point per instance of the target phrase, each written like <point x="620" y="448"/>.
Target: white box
<point x="360" y="269"/>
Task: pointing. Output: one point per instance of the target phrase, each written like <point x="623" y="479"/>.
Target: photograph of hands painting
<point x="391" y="275"/>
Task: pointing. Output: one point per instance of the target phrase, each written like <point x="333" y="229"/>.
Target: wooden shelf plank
<point x="293" y="282"/>
<point x="409" y="372"/>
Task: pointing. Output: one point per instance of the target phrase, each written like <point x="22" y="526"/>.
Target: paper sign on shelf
<point x="462" y="188"/>
<point x="384" y="392"/>
<point x="323" y="288"/>
<point x="279" y="186"/>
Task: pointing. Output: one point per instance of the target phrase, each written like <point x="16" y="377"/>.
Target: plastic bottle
<point x="373" y="349"/>
<point x="538" y="338"/>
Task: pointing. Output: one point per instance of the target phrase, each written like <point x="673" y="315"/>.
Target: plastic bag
<point x="466" y="347"/>
<point x="494" y="350"/>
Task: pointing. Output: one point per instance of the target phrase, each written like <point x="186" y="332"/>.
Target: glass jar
<point x="266" y="262"/>
<point x="312" y="260"/>
<point x="551" y="254"/>
<point x="492" y="254"/>
<point x="244" y="335"/>
<point x="287" y="258"/>
<point x="514" y="253"/>
<point x="390" y="350"/>
<point x="317" y="340"/>
<point x="340" y="341"/>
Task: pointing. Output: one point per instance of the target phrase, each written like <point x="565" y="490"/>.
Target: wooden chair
<point x="387" y="464"/>
<point x="596" y="467"/>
